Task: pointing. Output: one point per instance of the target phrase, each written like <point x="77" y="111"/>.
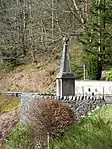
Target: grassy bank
<point x="8" y="103"/>
<point x="93" y="132"/>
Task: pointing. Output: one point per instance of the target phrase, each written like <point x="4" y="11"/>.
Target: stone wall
<point x="81" y="105"/>
<point x="88" y="95"/>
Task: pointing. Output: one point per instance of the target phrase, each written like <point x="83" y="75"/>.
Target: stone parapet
<point x="81" y="105"/>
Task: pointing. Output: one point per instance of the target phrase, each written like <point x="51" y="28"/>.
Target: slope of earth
<point x="38" y="77"/>
<point x="8" y="121"/>
<point x="9" y="115"/>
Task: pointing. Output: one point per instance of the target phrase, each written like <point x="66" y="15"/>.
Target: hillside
<point x="40" y="76"/>
<point x="33" y="77"/>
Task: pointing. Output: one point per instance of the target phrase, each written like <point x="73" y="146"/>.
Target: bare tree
<point x="30" y="28"/>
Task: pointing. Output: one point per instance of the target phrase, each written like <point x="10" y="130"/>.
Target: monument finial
<point x="65" y="39"/>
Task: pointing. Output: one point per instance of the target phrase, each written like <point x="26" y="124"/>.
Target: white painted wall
<point x="96" y="87"/>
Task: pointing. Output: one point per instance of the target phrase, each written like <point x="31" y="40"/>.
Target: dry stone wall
<point x="81" y="105"/>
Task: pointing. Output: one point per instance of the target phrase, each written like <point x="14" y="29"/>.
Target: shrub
<point x="109" y="76"/>
<point x="6" y="67"/>
<point x="48" y="116"/>
<point x="94" y="68"/>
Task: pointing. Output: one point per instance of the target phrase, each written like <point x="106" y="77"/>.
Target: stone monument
<point x="65" y="80"/>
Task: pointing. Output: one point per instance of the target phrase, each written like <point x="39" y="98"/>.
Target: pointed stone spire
<point x="65" y="79"/>
<point x="65" y="67"/>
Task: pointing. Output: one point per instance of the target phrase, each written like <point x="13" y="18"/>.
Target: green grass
<point x="93" y="132"/>
<point x="18" y="139"/>
<point x="8" y="103"/>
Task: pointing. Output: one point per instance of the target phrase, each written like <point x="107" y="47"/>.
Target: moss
<point x="9" y="103"/>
